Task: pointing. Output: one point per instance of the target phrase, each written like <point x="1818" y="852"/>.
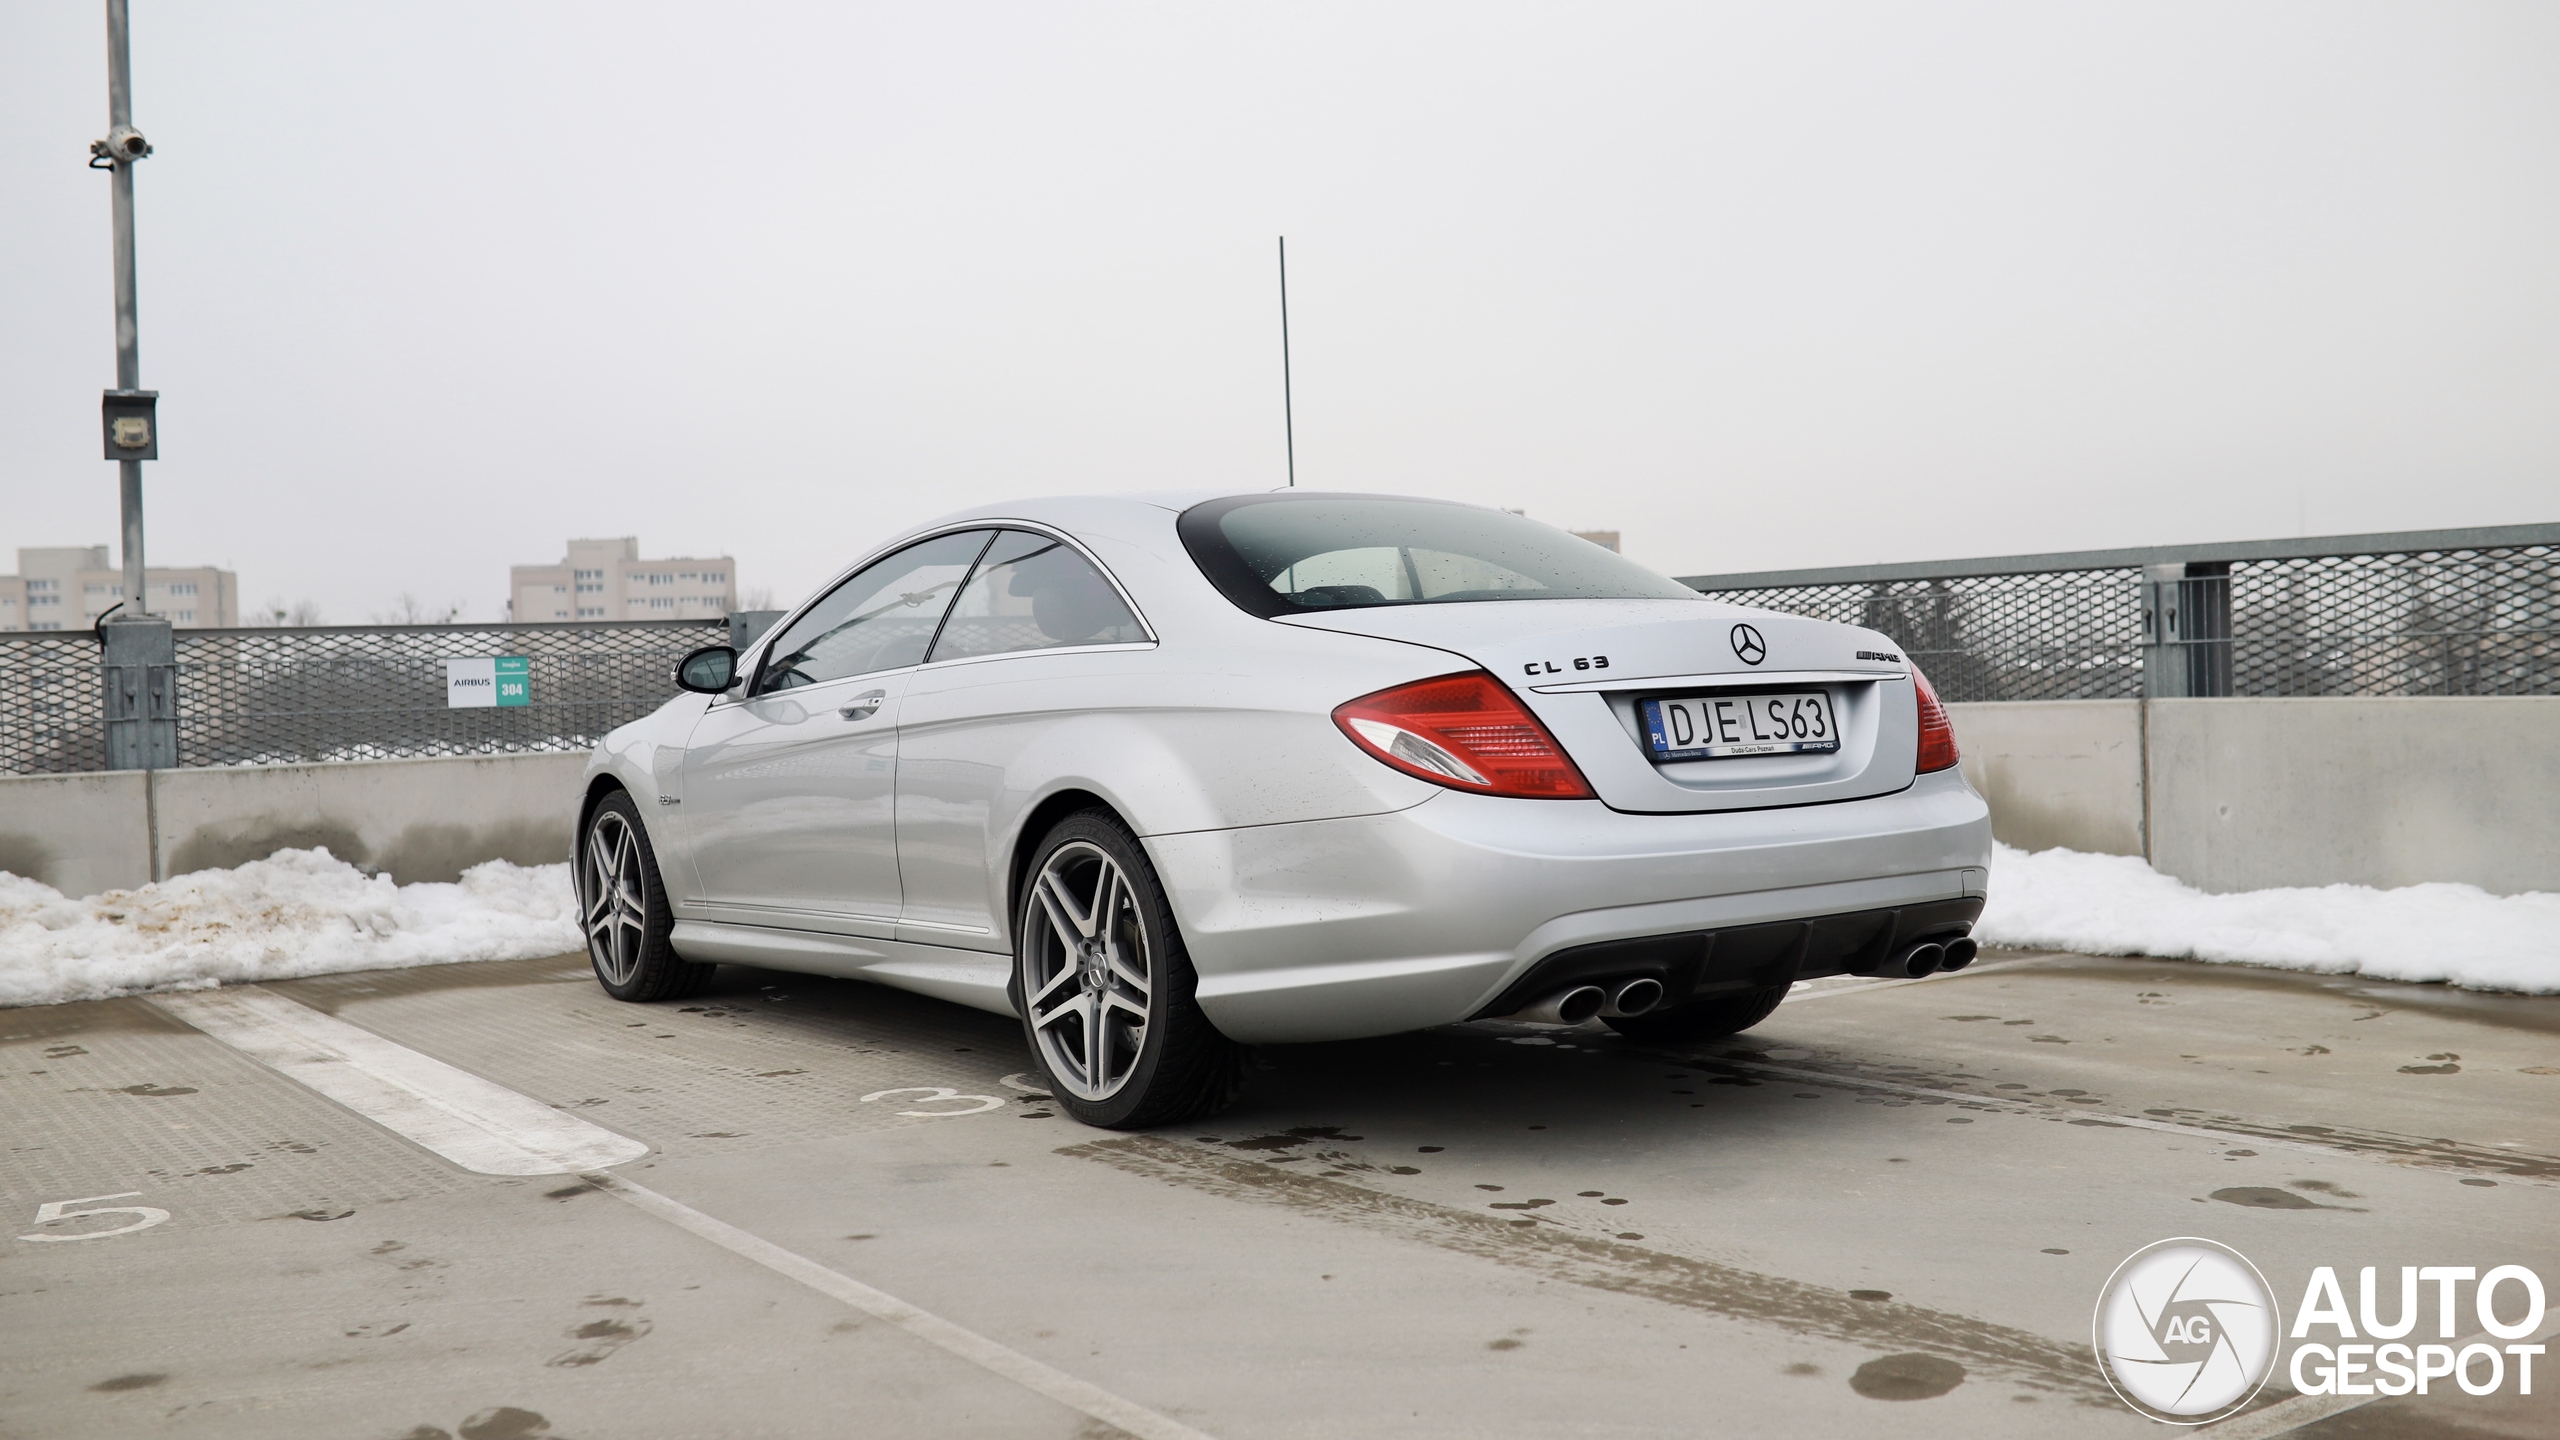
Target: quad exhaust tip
<point x="1570" y="1006"/>
<point x="1575" y="1004"/>
<point x="1632" y="997"/>
<point x="1960" y="953"/>
<point x="1921" y="959"/>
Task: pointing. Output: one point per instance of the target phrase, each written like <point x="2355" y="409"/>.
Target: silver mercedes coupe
<point x="1165" y="777"/>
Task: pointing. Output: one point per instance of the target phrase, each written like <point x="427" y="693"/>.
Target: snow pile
<point x="298" y="912"/>
<point x="2117" y="905"/>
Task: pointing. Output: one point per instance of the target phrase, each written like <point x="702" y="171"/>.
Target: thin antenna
<point x="1288" y="411"/>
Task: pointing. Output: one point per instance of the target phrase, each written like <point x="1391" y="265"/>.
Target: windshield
<point x="1290" y="554"/>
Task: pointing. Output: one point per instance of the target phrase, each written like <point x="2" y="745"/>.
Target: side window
<point x="1034" y="593"/>
<point x="879" y="619"/>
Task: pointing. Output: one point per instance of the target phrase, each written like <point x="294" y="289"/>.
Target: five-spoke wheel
<point x="1086" y="969"/>
<point x="1105" y="987"/>
<point x="623" y="909"/>
<point x="613" y="899"/>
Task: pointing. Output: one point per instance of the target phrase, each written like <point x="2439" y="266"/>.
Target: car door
<point x="1030" y="645"/>
<point x="789" y="791"/>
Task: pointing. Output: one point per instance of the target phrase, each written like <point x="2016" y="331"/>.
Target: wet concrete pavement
<point x="1888" y="1206"/>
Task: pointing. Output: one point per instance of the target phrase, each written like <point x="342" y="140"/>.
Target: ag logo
<point x="2186" y="1331"/>
<point x="1748" y="647"/>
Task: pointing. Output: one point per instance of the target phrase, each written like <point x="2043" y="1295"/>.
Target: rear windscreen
<point x="1291" y="554"/>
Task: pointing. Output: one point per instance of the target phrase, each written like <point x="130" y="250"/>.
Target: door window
<point x="880" y="619"/>
<point x="1034" y="593"/>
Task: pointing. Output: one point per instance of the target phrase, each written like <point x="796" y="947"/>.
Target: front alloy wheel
<point x="614" y="901"/>
<point x="623" y="911"/>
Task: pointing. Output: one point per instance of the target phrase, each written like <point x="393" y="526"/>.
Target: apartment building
<point x="67" y="587"/>
<point x="607" y="580"/>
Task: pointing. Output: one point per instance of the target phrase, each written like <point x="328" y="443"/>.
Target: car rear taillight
<point x="1467" y="732"/>
<point x="1937" y="732"/>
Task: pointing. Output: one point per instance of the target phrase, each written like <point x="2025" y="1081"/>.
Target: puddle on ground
<point x="2267" y="1197"/>
<point x="128" y="1382"/>
<point x="1907" y="1377"/>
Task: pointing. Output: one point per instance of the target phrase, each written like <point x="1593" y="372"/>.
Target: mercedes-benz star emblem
<point x="1748" y="645"/>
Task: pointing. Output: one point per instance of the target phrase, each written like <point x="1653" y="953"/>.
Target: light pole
<point x="141" y="654"/>
<point x="129" y="425"/>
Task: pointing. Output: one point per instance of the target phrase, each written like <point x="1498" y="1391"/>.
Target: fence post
<point x="2164" y="653"/>
<point x="2186" y="630"/>
<point x="141" y="667"/>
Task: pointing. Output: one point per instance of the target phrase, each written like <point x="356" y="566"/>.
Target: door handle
<point x="864" y="705"/>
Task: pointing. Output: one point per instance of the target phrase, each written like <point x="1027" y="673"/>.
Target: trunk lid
<point x="1584" y="666"/>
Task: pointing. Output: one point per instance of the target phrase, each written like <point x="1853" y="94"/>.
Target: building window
<point x="183" y="587"/>
<point x="586" y="575"/>
<point x="35" y="600"/>
<point x="590" y="612"/>
<point x="44" y="584"/>
<point x="186" y="617"/>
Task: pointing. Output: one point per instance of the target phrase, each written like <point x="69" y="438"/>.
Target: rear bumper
<point x="1376" y="924"/>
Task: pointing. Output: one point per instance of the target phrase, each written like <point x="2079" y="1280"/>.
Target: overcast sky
<point x="428" y="288"/>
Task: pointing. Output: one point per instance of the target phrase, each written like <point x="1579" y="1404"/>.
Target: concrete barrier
<point x="2247" y="794"/>
<point x="2057" y="772"/>
<point x="2224" y="794"/>
<point x="80" y="834"/>
<point x="416" y="819"/>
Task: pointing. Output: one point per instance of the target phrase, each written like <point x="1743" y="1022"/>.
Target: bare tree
<point x="277" y="613"/>
<point x="408" y="609"/>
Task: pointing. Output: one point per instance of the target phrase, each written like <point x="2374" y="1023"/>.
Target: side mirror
<point x="708" y="671"/>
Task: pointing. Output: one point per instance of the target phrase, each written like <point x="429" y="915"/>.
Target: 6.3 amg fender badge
<point x="1748" y="647"/>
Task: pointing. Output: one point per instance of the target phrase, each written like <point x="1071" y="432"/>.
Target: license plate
<point x="1717" y="727"/>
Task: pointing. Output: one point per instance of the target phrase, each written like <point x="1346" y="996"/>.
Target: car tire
<point x="1105" y="987"/>
<point x="622" y="908"/>
<point x="1702" y="1019"/>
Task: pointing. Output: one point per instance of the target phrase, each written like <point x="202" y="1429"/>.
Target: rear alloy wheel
<point x="623" y="910"/>
<point x="1105" y="988"/>
<point x="1703" y="1019"/>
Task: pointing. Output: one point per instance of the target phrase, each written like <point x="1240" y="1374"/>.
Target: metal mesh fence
<point x="2480" y="619"/>
<point x="52" y="703"/>
<point x="2407" y="618"/>
<point x="2071" y="635"/>
<point x="2462" y="622"/>
<point x="248" y="697"/>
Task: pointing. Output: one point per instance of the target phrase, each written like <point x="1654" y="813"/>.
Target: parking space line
<point x="475" y="1123"/>
<point x="485" y="1127"/>
<point x="977" y="1349"/>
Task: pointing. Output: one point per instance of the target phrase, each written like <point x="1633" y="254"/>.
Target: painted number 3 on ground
<point x="938" y="1095"/>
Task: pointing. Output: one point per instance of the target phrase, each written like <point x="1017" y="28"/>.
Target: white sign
<point x="471" y="684"/>
<point x="488" y="680"/>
